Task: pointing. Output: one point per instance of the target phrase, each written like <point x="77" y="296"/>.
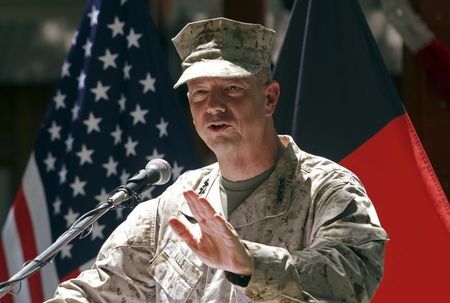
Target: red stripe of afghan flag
<point x="412" y="208"/>
<point x="338" y="101"/>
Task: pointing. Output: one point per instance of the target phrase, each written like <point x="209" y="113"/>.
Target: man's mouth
<point x="218" y="126"/>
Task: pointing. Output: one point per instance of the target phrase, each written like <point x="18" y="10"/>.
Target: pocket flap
<point x="176" y="274"/>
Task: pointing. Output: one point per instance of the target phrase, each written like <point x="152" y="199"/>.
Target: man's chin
<point x="222" y="144"/>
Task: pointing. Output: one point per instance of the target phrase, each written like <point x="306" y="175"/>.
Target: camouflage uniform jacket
<point x="312" y="231"/>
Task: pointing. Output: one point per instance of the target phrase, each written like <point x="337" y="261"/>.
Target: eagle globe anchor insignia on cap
<point x="222" y="48"/>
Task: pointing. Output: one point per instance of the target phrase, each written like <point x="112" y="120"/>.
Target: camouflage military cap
<point x="222" y="48"/>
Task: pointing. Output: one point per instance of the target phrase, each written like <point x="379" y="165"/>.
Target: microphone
<point x="156" y="172"/>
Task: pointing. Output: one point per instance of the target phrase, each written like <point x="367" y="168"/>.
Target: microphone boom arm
<point x="156" y="172"/>
<point x="83" y="223"/>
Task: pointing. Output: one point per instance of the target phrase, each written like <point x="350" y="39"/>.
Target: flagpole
<point x="295" y="121"/>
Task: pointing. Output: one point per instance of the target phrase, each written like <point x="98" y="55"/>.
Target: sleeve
<point x="119" y="273"/>
<point x="343" y="263"/>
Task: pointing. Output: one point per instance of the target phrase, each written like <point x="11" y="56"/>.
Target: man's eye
<point x="199" y="92"/>
<point x="198" y="95"/>
<point x="233" y="88"/>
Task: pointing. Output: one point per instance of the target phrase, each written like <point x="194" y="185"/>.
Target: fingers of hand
<point x="182" y="231"/>
<point x="226" y="230"/>
<point x="213" y="226"/>
<point x="200" y="207"/>
<point x="198" y="246"/>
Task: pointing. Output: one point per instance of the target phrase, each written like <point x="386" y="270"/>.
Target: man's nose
<point x="216" y="102"/>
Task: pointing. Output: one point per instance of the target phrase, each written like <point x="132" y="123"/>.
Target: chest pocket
<point x="175" y="273"/>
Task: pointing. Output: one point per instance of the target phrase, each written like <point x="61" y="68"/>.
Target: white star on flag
<point x="100" y="91"/>
<point x="74" y="38"/>
<point x="87" y="48"/>
<point x="59" y="100"/>
<point x="85" y="155"/>
<point x="70" y="217"/>
<point x="78" y="187"/>
<point x="108" y="59"/>
<point x="65" y="69"/>
<point x="50" y="162"/>
<point x="81" y="79"/>
<point x="176" y="170"/>
<point x="138" y="115"/>
<point x="133" y="38"/>
<point x="97" y="231"/>
<point x="155" y="155"/>
<point x="57" y="206"/>
<point x="147" y="194"/>
<point x="116" y="27"/>
<point x="148" y="83"/>
<point x="65" y="252"/>
<point x="92" y="123"/>
<point x="62" y="174"/>
<point x="69" y="143"/>
<point x="117" y="135"/>
<point x="54" y="131"/>
<point x="119" y="213"/>
<point x="102" y="196"/>
<point x="93" y="15"/>
<point x="130" y="147"/>
<point x="75" y="110"/>
<point x="111" y="167"/>
<point x="162" y="126"/>
<point x="126" y="71"/>
<point x="124" y="176"/>
<point x="122" y="102"/>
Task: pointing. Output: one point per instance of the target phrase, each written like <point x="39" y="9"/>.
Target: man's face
<point x="231" y="114"/>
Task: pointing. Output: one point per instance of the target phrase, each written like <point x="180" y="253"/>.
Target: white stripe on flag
<point x="37" y="204"/>
<point x="14" y="256"/>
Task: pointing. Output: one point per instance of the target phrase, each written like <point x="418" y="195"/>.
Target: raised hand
<point x="219" y="245"/>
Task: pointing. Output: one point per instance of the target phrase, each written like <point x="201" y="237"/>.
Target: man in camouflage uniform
<point x="268" y="222"/>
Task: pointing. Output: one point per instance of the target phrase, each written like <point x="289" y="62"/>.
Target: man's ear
<point x="272" y="95"/>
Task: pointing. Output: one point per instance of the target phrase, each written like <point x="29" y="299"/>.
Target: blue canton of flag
<point x="113" y="111"/>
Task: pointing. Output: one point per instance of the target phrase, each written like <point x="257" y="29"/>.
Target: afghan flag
<point x="338" y="101"/>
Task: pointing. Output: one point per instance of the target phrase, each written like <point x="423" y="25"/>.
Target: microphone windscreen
<point x="163" y="167"/>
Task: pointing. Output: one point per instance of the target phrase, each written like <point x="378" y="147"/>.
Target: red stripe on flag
<point x="4" y="273"/>
<point x="412" y="208"/>
<point x="71" y="275"/>
<point x="25" y="229"/>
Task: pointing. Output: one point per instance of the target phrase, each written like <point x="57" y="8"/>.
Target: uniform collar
<point x="270" y="199"/>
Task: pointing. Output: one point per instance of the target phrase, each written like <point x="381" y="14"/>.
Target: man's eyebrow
<point x="240" y="81"/>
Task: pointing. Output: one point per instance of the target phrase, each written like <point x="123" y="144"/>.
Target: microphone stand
<point x="79" y="226"/>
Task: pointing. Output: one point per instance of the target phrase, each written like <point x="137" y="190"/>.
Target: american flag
<point x="113" y="111"/>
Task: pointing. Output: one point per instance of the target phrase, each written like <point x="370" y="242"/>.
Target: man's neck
<point x="239" y="165"/>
